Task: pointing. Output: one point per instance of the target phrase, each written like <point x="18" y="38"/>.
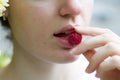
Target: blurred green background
<point x="5" y="58"/>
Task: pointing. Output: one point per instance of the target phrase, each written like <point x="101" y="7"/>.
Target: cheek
<point x="88" y="12"/>
<point x="28" y="25"/>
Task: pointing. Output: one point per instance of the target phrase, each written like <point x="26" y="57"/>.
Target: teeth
<point x="69" y="31"/>
<point x="65" y="33"/>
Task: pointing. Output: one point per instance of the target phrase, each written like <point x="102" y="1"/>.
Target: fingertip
<point x="89" y="69"/>
<point x="98" y="74"/>
<point x="81" y="30"/>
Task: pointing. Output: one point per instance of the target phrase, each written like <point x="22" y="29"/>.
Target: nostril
<point x="64" y="12"/>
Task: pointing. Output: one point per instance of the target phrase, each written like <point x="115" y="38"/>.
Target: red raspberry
<point x="74" y="38"/>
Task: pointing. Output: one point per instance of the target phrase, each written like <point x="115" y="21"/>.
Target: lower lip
<point x="64" y="42"/>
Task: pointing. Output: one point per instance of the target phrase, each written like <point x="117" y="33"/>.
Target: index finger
<point x="91" y="31"/>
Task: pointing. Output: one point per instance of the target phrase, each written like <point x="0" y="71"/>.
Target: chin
<point x="66" y="58"/>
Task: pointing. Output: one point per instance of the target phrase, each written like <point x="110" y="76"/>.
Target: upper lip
<point x="66" y="30"/>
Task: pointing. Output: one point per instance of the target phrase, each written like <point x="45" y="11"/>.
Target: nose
<point x="70" y="8"/>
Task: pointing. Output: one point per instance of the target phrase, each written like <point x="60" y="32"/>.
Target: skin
<point x="37" y="54"/>
<point x="35" y="38"/>
<point x="106" y="59"/>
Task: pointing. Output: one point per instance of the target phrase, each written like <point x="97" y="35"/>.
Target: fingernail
<point x="88" y="70"/>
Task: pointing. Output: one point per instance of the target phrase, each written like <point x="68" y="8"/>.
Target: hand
<point x="106" y="59"/>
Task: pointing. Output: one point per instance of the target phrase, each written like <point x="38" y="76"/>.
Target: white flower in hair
<point x="3" y="5"/>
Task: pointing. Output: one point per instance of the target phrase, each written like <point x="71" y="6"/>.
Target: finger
<point x="109" y="64"/>
<point x="89" y="54"/>
<point x="92" y="31"/>
<point x="103" y="52"/>
<point x="96" y="41"/>
<point x="101" y="40"/>
<point x="91" y="43"/>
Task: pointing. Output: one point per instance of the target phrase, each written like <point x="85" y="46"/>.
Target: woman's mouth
<point x="68" y="37"/>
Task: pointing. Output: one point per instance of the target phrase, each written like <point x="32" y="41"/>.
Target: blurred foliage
<point x="5" y="59"/>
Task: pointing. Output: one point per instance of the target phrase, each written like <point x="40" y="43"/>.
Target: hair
<point x="6" y="26"/>
<point x="4" y="23"/>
